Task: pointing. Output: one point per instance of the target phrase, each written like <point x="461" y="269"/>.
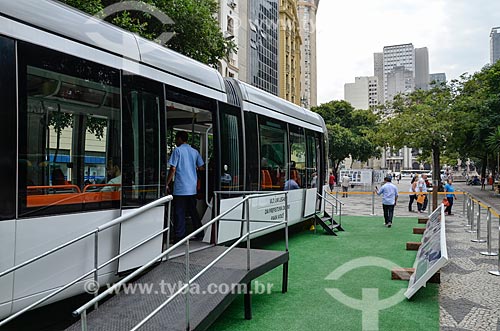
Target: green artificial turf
<point x="308" y="306"/>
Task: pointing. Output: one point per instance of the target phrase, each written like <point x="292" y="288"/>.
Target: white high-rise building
<point x="400" y="57"/>
<point x="400" y="69"/>
<point x="403" y="69"/>
<point x="362" y="94"/>
<point x="494" y="45"/>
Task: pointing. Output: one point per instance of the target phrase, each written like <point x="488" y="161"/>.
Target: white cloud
<point x="456" y="32"/>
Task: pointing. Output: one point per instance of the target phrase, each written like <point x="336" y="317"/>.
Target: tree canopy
<point x="349" y="132"/>
<point x="196" y="31"/>
<point x="479" y="104"/>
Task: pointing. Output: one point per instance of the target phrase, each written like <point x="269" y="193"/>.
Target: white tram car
<point x="79" y="97"/>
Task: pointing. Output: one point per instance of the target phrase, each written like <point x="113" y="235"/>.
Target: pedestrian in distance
<point x="184" y="162"/>
<point x="450" y="196"/>
<point x="345" y="185"/>
<point x="331" y="181"/>
<point x="421" y="190"/>
<point x="413" y="196"/>
<point x="389" y="193"/>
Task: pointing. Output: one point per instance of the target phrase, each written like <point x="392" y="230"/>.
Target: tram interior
<point x="197" y="122"/>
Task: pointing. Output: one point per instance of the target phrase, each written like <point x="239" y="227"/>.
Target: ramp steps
<point x="328" y="223"/>
<point x="209" y="296"/>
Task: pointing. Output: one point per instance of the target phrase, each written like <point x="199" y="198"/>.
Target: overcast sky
<point x="456" y="33"/>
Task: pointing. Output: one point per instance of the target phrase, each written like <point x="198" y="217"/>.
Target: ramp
<point x="209" y="296"/>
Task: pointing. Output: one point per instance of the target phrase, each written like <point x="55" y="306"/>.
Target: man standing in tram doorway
<point x="184" y="162"/>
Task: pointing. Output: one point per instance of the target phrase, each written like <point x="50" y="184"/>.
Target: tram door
<point x="231" y="170"/>
<point x="141" y="166"/>
<point x="194" y="114"/>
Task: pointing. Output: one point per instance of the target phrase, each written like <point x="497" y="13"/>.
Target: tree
<point x="349" y="132"/>
<point x="197" y="32"/>
<point x="479" y="102"/>
<point x="421" y="119"/>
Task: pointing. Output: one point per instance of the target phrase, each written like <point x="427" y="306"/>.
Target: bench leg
<point x="248" y="301"/>
<point x="284" y="284"/>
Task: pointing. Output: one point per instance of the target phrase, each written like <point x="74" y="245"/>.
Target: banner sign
<point x="432" y="254"/>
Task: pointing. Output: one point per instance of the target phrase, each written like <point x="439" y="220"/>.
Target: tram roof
<point x="257" y="96"/>
<point x="71" y="23"/>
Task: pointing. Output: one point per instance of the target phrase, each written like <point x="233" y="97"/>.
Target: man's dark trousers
<point x="388" y="213"/>
<point x="183" y="204"/>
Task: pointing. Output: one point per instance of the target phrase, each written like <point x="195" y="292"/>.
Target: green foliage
<point x="493" y="141"/>
<point x="96" y="126"/>
<point x="196" y="31"/>
<point x="349" y="132"/>
<point x="421" y="119"/>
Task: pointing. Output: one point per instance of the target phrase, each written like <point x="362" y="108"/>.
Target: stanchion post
<point x="463" y="203"/>
<point x="497" y="272"/>
<point x="468" y="211"/>
<point x="472" y="218"/>
<point x="488" y="235"/>
<point x="478" y="225"/>
<point x="373" y="201"/>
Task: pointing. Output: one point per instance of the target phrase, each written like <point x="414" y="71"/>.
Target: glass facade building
<point x="264" y="45"/>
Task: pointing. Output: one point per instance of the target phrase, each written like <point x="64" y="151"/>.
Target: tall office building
<point x="403" y="69"/>
<point x="264" y="47"/>
<point x="400" y="69"/>
<point x="290" y="42"/>
<point x="378" y="71"/>
<point x="362" y="94"/>
<point x="421" y="68"/>
<point x="308" y="75"/>
<point x="494" y="45"/>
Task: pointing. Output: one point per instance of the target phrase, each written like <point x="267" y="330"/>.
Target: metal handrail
<point x="335" y="198"/>
<point x="331" y="204"/>
<point x="199" y="274"/>
<point x="96" y="268"/>
<point x="82" y="311"/>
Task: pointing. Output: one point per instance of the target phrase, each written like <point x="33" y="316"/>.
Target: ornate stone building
<point x="290" y="42"/>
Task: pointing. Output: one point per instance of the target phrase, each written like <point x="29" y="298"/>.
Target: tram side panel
<point x="37" y="235"/>
<point x="7" y="244"/>
<point x="8" y="144"/>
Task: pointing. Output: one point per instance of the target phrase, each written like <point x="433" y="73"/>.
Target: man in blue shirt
<point x="389" y="199"/>
<point x="184" y="162"/>
<point x="450" y="195"/>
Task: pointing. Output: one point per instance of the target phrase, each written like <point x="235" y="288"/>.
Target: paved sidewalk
<point x="469" y="296"/>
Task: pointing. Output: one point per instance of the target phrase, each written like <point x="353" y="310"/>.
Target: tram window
<point x="298" y="157"/>
<point x="231" y="143"/>
<point x="312" y="157"/>
<point x="141" y="149"/>
<point x="69" y="129"/>
<point x="273" y="154"/>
